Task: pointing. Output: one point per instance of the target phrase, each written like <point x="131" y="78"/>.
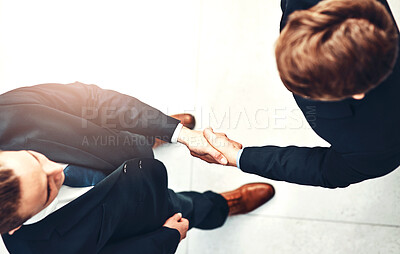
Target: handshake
<point x="210" y="146"/>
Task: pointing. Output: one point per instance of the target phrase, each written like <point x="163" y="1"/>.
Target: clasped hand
<point x="210" y="146"/>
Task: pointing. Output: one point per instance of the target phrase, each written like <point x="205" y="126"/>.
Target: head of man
<point x="337" y="49"/>
<point x="29" y="182"/>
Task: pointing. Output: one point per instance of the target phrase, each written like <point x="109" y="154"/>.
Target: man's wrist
<point x="177" y="132"/>
<point x="184" y="135"/>
<point x="239" y="154"/>
<point x="231" y="155"/>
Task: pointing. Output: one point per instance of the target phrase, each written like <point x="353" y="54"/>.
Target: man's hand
<point x="199" y="147"/>
<point x="178" y="223"/>
<point x="222" y="143"/>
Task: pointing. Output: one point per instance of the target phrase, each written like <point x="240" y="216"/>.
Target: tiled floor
<point x="213" y="59"/>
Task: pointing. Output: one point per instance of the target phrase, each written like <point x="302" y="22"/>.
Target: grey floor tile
<point x="183" y="247"/>
<point x="256" y="235"/>
<point x="395" y="7"/>
<point x="375" y="201"/>
<point x="178" y="162"/>
<point x="3" y="249"/>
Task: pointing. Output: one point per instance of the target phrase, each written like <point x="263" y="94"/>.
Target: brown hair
<point x="336" y="49"/>
<point x="10" y="195"/>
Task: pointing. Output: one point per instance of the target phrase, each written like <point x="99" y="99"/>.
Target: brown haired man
<point x="340" y="59"/>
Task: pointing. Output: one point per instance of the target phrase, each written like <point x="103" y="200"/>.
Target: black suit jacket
<point x="100" y="129"/>
<point x="113" y="217"/>
<point x="364" y="135"/>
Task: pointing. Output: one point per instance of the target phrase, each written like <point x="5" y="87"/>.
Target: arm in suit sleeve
<point x="317" y="166"/>
<point x="105" y="108"/>
<point x="163" y="241"/>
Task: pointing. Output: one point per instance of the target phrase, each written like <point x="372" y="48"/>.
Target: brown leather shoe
<point x="248" y="197"/>
<point x="186" y="119"/>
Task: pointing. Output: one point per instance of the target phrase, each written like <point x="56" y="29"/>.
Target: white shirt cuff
<point x="177" y="131"/>
<point x="239" y="154"/>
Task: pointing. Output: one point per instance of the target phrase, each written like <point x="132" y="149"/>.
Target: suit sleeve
<point x="317" y="166"/>
<point x="163" y="241"/>
<point x="106" y="108"/>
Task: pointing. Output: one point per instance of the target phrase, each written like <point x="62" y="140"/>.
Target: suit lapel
<point x="67" y="154"/>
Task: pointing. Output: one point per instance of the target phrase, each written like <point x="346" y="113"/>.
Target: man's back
<point x="364" y="131"/>
<point x="324" y="56"/>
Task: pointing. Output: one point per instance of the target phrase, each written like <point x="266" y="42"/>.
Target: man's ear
<point x="359" y="96"/>
<point x="12" y="231"/>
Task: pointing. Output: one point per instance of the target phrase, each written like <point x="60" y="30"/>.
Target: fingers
<point x="211" y="156"/>
<point x="218" y="140"/>
<point x="185" y="227"/>
<point x="209" y="135"/>
<point x="177" y="216"/>
<point x="217" y="155"/>
<point x="236" y="144"/>
<point x="204" y="157"/>
<point x="185" y="223"/>
<point x="182" y="225"/>
<point x="179" y="223"/>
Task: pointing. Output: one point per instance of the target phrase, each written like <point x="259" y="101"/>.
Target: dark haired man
<point x="340" y="59"/>
<point x="112" y="197"/>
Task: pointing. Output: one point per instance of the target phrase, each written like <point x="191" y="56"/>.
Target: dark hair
<point x="10" y="196"/>
<point x="337" y="48"/>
